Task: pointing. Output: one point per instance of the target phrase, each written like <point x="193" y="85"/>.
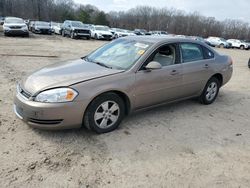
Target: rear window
<point x="208" y="54"/>
<point x="191" y="52"/>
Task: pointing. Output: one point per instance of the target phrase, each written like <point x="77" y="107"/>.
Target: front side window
<point x="165" y="55"/>
<point x="191" y="52"/>
<point x="120" y="54"/>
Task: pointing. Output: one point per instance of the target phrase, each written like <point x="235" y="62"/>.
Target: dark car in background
<point x="75" y="29"/>
<point x="40" y="27"/>
<point x="15" y="27"/>
<point x="140" y="31"/>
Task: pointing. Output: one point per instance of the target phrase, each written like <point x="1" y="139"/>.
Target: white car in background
<point x="130" y="33"/>
<point x="118" y="32"/>
<point x="101" y="32"/>
<point x="57" y="28"/>
<point x="239" y="44"/>
<point x="219" y="42"/>
<point x="159" y="33"/>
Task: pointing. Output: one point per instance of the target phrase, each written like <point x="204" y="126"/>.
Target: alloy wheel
<point x="107" y="114"/>
<point x="211" y="91"/>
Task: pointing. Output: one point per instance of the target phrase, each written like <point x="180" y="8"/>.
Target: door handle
<point x="206" y="66"/>
<point x="174" y="72"/>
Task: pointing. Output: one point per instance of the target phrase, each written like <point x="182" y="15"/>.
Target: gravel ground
<point x="179" y="145"/>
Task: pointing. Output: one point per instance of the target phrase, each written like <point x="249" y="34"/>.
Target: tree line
<point x="142" y="17"/>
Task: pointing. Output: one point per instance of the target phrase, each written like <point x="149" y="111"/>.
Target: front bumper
<point x="15" y="32"/>
<point x="82" y="35"/>
<point x="105" y="37"/>
<point x="49" y="116"/>
<point x="43" y="31"/>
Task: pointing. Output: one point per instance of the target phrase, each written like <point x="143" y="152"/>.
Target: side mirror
<point x="153" y="65"/>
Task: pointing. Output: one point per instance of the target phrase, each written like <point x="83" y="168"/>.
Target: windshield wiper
<point x="98" y="63"/>
<point x="102" y="64"/>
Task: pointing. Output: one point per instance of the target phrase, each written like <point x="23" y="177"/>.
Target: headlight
<point x="25" y="27"/>
<point x="6" y="28"/>
<point x="57" y="95"/>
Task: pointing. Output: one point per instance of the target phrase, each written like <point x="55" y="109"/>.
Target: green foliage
<point x="101" y="19"/>
<point x="84" y="16"/>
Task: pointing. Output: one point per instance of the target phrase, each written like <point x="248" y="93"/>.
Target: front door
<point x="160" y="85"/>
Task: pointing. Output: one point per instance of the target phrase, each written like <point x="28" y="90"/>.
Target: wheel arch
<point x="121" y="94"/>
<point x="218" y="76"/>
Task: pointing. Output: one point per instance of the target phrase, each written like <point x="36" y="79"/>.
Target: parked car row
<point x="76" y="29"/>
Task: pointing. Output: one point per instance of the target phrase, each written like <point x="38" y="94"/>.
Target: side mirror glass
<point x="153" y="65"/>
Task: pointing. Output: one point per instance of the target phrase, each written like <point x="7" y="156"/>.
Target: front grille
<point x="107" y="36"/>
<point x="45" y="122"/>
<point x="44" y="30"/>
<point x="15" y="27"/>
<point x="82" y="31"/>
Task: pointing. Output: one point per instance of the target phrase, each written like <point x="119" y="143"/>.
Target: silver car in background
<point x="15" y="27"/>
<point x="123" y="76"/>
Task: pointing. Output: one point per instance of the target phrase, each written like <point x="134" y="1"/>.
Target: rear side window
<point x="191" y="52"/>
<point x="208" y="54"/>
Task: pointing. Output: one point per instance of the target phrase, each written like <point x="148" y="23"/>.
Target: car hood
<point x="14" y="24"/>
<point x="82" y="28"/>
<point x="103" y="32"/>
<point x="64" y="74"/>
<point x="42" y="27"/>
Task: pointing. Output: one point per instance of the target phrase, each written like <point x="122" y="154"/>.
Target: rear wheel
<point x="105" y="113"/>
<point x="210" y="91"/>
<point x="242" y="47"/>
<point x="63" y="33"/>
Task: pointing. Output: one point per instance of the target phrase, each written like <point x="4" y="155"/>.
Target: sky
<point x="220" y="9"/>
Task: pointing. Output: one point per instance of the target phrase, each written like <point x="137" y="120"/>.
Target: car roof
<point x="160" y="39"/>
<point x="13" y="18"/>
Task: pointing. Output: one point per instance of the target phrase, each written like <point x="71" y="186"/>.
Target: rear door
<point x="196" y="66"/>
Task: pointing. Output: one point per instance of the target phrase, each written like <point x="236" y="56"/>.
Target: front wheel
<point x="105" y="113"/>
<point x="72" y="35"/>
<point x="210" y="91"/>
<point x="63" y="33"/>
<point x="96" y="37"/>
<point x="221" y="46"/>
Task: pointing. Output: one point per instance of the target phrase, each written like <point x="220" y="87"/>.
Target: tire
<point x="221" y="46"/>
<point x="63" y="33"/>
<point x="249" y="63"/>
<point x="98" y="119"/>
<point x="96" y="37"/>
<point x="242" y="47"/>
<point x="210" y="91"/>
<point x="88" y="38"/>
<point x="72" y="35"/>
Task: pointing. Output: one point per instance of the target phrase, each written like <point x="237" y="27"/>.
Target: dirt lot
<point x="179" y="145"/>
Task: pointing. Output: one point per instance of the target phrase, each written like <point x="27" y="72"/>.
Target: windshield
<point x="42" y="23"/>
<point x="14" y="20"/>
<point x="120" y="54"/>
<point x="77" y="24"/>
<point x="102" y="28"/>
<point x="224" y="40"/>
